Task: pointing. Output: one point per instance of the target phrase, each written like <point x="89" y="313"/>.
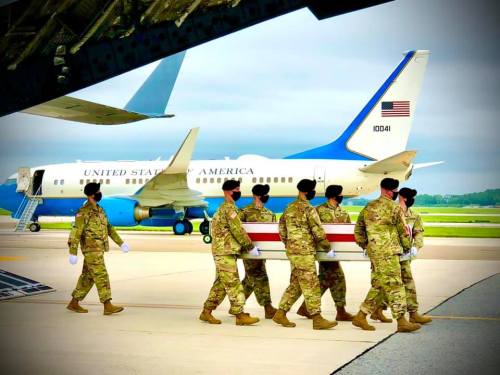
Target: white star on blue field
<point x="294" y="82"/>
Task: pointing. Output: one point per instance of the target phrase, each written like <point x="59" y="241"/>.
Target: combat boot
<point x="109" y="308"/>
<point x="405" y="326"/>
<point x="269" y="311"/>
<point x="73" y="305"/>
<point x="244" y="319"/>
<point x="379" y="315"/>
<point x="360" y="321"/>
<point x="321" y="323"/>
<point x="415" y="317"/>
<point x="206" y="316"/>
<point x="302" y="311"/>
<point x="280" y="318"/>
<point x="342" y="315"/>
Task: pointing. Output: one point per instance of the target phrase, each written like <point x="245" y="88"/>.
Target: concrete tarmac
<point x="163" y="283"/>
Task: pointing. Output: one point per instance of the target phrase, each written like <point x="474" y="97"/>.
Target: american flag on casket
<point x="341" y="236"/>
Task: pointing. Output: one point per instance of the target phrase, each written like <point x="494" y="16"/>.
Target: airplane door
<point x="23" y="179"/>
<point x="37" y="182"/>
<point x="319" y="176"/>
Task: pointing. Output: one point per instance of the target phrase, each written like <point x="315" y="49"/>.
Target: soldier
<point x="416" y="228"/>
<point x="301" y="232"/>
<point x="381" y="231"/>
<point x="91" y="231"/>
<point x="331" y="276"/>
<point x="256" y="279"/>
<point x="229" y="238"/>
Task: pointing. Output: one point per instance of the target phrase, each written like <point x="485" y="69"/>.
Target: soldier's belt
<point x="341" y="237"/>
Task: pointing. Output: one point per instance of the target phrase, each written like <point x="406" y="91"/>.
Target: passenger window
<point x="55" y="182"/>
<point x="81" y="182"/>
<point x="101" y="181"/>
<point x="240" y="179"/>
<point x="140" y="181"/>
<point x="197" y="180"/>
<point x="134" y="181"/>
<point x="62" y="182"/>
<point x="211" y="180"/>
<point x="108" y="181"/>
<point x="225" y="179"/>
<point x="204" y="180"/>
<point x="261" y="179"/>
<point x="283" y="179"/>
<point x="127" y="181"/>
<point x="219" y="180"/>
<point x="254" y="180"/>
<point x="290" y="179"/>
<point x="88" y="181"/>
<point x="276" y="179"/>
<point x="269" y="179"/>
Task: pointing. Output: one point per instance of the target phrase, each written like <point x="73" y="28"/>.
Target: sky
<point x="294" y="83"/>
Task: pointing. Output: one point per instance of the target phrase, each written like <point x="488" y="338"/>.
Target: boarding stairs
<point x="26" y="211"/>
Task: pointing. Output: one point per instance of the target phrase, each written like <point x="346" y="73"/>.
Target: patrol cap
<point x="230" y="185"/>
<point x="389" y="183"/>
<point x="260" y="190"/>
<point x="333" y="191"/>
<point x="305" y="185"/>
<point x="91" y="188"/>
<point x="407" y="192"/>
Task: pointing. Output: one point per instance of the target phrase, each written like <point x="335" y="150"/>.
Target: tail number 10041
<point x="381" y="128"/>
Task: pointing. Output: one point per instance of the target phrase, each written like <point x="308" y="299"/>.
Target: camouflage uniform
<point x="256" y="279"/>
<point x="331" y="276"/>
<point x="229" y="238"/>
<point x="301" y="231"/>
<point x="91" y="231"/>
<point x="414" y="220"/>
<point x="380" y="230"/>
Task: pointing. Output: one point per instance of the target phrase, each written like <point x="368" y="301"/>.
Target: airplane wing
<point x="170" y="187"/>
<point x="79" y="110"/>
<point x="398" y="162"/>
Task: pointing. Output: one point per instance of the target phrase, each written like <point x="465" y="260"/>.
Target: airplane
<point x="171" y="192"/>
<point x="150" y="100"/>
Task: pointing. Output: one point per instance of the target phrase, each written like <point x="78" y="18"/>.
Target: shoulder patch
<point x="233" y="215"/>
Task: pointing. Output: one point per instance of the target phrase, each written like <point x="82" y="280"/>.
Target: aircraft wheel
<point x="180" y="228"/>
<point x="207" y="238"/>
<point x="189" y="226"/>
<point x="205" y="227"/>
<point x="34" y="227"/>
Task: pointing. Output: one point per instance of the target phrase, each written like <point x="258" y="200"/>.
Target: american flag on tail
<point x="398" y="108"/>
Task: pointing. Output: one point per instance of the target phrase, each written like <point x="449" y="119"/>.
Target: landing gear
<point x="181" y="227"/>
<point x="205" y="227"/>
<point x="207" y="238"/>
<point x="35" y="227"/>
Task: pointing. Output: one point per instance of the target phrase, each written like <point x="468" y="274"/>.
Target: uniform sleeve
<point x="347" y="217"/>
<point x="399" y="221"/>
<point x="237" y="230"/>
<point x="76" y="234"/>
<point x="418" y="233"/>
<point x="317" y="230"/>
<point x="360" y="231"/>
<point x="282" y="229"/>
<point x="242" y="215"/>
<point x="114" y="234"/>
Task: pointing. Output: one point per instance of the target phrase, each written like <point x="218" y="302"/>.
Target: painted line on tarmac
<point x="446" y="317"/>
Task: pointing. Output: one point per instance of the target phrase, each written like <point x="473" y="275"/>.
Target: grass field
<point x="4" y="212"/>
<point x="462" y="232"/>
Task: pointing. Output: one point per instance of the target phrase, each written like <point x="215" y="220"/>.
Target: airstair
<point x="26" y="211"/>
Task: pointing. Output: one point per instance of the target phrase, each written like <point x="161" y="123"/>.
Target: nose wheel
<point x="181" y="227"/>
<point x="34" y="227"/>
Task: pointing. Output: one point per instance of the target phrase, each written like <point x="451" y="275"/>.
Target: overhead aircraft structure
<point x="150" y="101"/>
<point x="164" y="193"/>
<point x="50" y="48"/>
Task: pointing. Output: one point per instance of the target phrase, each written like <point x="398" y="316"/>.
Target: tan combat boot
<point x="280" y="318"/>
<point x="321" y="323"/>
<point x="206" y="316"/>
<point x="244" y="319"/>
<point x="302" y="311"/>
<point x="405" y="326"/>
<point x="73" y="305"/>
<point x="415" y="317"/>
<point x="360" y="321"/>
<point x="342" y="315"/>
<point x="109" y="308"/>
<point x="269" y="311"/>
<point x="379" y="315"/>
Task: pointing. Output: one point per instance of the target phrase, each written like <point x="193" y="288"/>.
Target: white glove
<point x="125" y="247"/>
<point x="331" y="254"/>
<point x="255" y="251"/>
<point x="413" y="251"/>
<point x="73" y="259"/>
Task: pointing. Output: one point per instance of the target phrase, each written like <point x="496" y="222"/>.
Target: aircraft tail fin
<point x="395" y="163"/>
<point x="152" y="97"/>
<point x="382" y="127"/>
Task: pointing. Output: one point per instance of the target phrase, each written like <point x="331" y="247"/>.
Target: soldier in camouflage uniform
<point x="331" y="276"/>
<point x="91" y="231"/>
<point x="229" y="239"/>
<point x="301" y="231"/>
<point x="381" y="231"/>
<point x="256" y="279"/>
<point x="416" y="228"/>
